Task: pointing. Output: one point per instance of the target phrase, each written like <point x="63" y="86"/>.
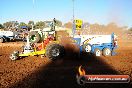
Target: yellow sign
<point x="78" y="24"/>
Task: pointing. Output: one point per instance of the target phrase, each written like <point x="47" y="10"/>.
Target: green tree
<point x="58" y="23"/>
<point x="11" y="25"/>
<point x="39" y="25"/>
<point x="7" y="25"/>
<point x="30" y="24"/>
<point x="22" y="24"/>
<point x="16" y="24"/>
<point x="1" y="26"/>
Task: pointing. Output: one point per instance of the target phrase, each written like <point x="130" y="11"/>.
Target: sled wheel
<point x="1" y="40"/>
<point x="106" y="52"/>
<point x="97" y="52"/>
<point x="15" y="55"/>
<point x="87" y="47"/>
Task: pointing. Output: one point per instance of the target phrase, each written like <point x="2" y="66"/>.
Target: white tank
<point x="94" y="39"/>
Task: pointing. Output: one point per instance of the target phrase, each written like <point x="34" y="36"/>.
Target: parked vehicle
<point x="6" y="36"/>
<point x="97" y="44"/>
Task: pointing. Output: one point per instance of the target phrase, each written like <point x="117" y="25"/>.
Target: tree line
<point x="15" y="25"/>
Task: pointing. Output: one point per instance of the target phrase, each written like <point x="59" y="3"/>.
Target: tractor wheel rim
<point x="33" y="38"/>
<point x="55" y="52"/>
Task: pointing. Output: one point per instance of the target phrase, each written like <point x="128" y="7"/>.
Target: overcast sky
<point x="92" y="11"/>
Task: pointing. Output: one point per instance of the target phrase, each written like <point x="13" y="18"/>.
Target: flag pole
<point x="73" y="26"/>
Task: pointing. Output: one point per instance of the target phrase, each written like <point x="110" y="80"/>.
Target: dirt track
<point x="35" y="72"/>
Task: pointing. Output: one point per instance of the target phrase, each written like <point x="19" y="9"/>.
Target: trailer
<point x="97" y="44"/>
<point x="6" y="36"/>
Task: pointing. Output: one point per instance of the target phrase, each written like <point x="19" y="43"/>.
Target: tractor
<point x="38" y="35"/>
<point x="49" y="47"/>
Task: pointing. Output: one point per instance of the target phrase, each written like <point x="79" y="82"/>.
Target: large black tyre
<point x="34" y="37"/>
<point x="107" y="52"/>
<point x="1" y="40"/>
<point x="54" y="51"/>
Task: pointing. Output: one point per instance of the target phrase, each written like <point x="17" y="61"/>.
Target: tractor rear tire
<point x="1" y="40"/>
<point x="55" y="51"/>
<point x="34" y="34"/>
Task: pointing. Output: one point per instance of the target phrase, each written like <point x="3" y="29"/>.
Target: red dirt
<point x="37" y="72"/>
